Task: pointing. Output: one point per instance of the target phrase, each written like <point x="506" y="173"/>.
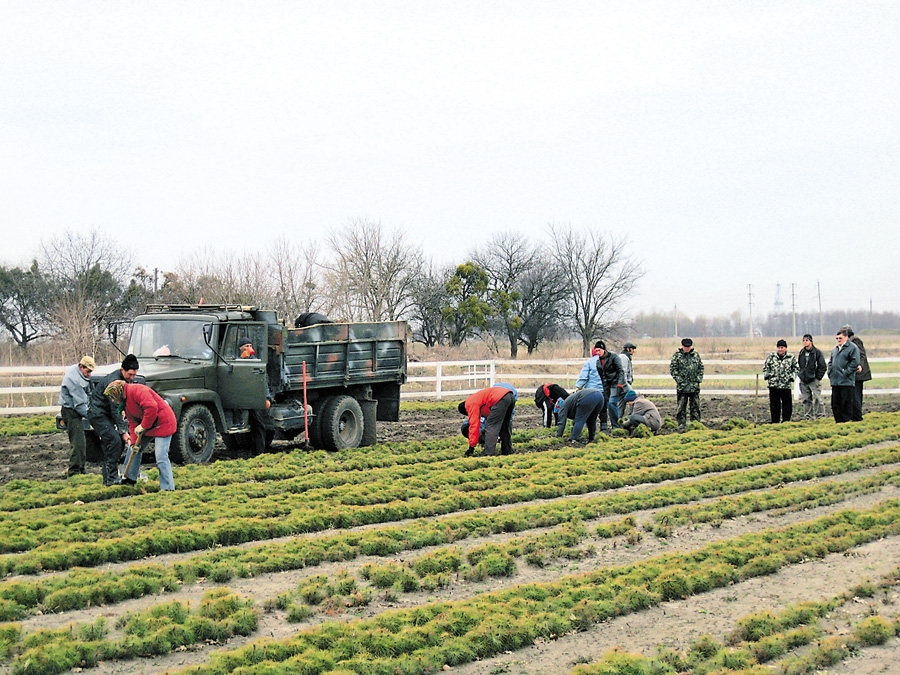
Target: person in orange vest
<point x="496" y="405"/>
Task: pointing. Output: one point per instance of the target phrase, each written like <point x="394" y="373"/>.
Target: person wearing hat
<point x="582" y="407"/>
<point x="73" y="403"/>
<point x="147" y="414"/>
<point x="602" y="371"/>
<point x="107" y="422"/>
<point x="863" y="373"/>
<point x="496" y="405"/>
<point x="842" y="369"/>
<point x="779" y="371"/>
<point x="812" y="366"/>
<point x="686" y="368"/>
<point x="641" y="411"/>
<point x="617" y="401"/>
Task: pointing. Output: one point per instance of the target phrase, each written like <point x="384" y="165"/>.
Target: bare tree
<point x="599" y="274"/>
<point x="87" y="274"/>
<point x="429" y="295"/>
<point x="228" y="278"/>
<point x="545" y="302"/>
<point x="294" y="270"/>
<point x="372" y="271"/>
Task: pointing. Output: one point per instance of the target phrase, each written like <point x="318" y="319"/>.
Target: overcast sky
<point x="733" y="143"/>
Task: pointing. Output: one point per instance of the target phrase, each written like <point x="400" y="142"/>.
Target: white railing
<point x="467" y="377"/>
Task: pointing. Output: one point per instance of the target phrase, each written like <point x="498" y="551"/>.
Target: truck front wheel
<point x="195" y="439"/>
<point x="341" y="423"/>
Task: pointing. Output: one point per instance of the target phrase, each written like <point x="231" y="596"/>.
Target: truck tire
<point x="195" y="439"/>
<point x="93" y="451"/>
<point x="369" y="436"/>
<point x="341" y="423"/>
<point x="315" y="427"/>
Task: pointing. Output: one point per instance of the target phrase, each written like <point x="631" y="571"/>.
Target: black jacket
<point x="100" y="409"/>
<point x="545" y="398"/>
<point x="611" y="371"/>
<point x="812" y="364"/>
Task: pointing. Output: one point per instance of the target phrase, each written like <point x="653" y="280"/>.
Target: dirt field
<point x="46" y="457"/>
<point x="673" y="624"/>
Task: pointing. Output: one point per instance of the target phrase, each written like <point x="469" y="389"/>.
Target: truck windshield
<point x="169" y="338"/>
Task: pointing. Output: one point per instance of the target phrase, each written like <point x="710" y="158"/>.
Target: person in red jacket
<point x="148" y="415"/>
<point x="496" y="405"/>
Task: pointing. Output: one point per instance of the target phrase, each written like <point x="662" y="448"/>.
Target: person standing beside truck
<point x="107" y="422"/>
<point x="149" y="415"/>
<point x="73" y="402"/>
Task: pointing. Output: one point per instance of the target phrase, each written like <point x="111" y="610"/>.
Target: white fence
<point x="479" y="374"/>
<point x="457" y="378"/>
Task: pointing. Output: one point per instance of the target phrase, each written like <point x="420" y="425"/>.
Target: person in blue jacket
<point x="583" y="407"/>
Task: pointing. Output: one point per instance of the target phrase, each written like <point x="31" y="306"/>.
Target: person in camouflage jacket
<point x="779" y="371"/>
<point x="686" y="368"/>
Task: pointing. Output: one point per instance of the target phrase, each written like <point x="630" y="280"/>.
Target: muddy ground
<point x="673" y="624"/>
<point x="45" y="457"/>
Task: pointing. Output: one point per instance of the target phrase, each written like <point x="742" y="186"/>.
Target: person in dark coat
<point x="545" y="399"/>
<point x="863" y="374"/>
<point x="812" y="370"/>
<point x="603" y="371"/>
<point x="107" y="422"/>
<point x="582" y="407"/>
<point x="842" y="367"/>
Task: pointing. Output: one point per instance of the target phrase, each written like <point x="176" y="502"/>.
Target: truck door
<point x="242" y="382"/>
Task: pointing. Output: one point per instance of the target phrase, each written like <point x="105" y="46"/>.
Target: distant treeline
<point x="657" y="324"/>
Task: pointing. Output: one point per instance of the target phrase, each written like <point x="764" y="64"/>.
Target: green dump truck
<point x="334" y="379"/>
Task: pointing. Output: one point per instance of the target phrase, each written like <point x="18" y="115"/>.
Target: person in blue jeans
<point x="583" y="407"/>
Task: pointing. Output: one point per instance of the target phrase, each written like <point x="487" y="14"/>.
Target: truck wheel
<point x="195" y="439"/>
<point x="93" y="451"/>
<point x="315" y="426"/>
<point x="341" y="424"/>
<point x="369" y="436"/>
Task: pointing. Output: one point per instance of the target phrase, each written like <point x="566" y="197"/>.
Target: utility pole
<point x="819" y="289"/>
<point x="870" y="313"/>
<point x="155" y="282"/>
<point x="750" y="307"/>
<point x="793" y="311"/>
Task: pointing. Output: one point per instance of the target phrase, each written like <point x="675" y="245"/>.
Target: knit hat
<point x="87" y="362"/>
<point x="807" y="336"/>
<point x="462" y="408"/>
<point x="600" y="344"/>
<point x="244" y="341"/>
<point x="115" y="391"/>
<point x="687" y="342"/>
<point x="130" y="362"/>
<point x="781" y="343"/>
<point x="630" y="395"/>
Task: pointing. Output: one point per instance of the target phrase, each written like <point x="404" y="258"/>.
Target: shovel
<point x="137" y="444"/>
